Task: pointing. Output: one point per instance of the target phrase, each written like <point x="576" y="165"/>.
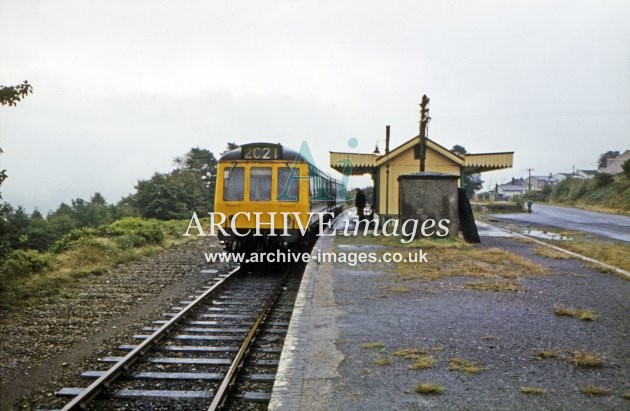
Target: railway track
<point x="218" y="350"/>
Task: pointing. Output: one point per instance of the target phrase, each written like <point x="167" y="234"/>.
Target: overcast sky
<point x="123" y="87"/>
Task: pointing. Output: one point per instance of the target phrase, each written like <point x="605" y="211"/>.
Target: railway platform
<point x="358" y="340"/>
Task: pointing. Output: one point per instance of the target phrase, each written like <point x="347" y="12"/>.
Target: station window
<point x="260" y="184"/>
<point x="288" y="190"/>
<point x="233" y="179"/>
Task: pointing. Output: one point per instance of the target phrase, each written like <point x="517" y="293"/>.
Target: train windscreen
<point x="260" y="184"/>
<point x="288" y="190"/>
<point x="233" y="179"/>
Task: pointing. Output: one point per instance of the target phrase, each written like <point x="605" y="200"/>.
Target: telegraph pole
<point x="529" y="180"/>
<point x="424" y="120"/>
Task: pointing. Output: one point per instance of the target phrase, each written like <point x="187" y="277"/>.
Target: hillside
<point x="603" y="192"/>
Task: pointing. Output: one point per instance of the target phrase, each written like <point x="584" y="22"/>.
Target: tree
<point x="10" y="95"/>
<point x="459" y="150"/>
<point x="626" y="168"/>
<point x="3" y="176"/>
<point x="471" y="182"/>
<point x="14" y="225"/>
<point x="230" y="147"/>
<point x="603" y="159"/>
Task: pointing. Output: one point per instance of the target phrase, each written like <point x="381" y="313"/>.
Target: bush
<point x="128" y="232"/>
<point x="25" y="262"/>
<point x="74" y="237"/>
<point x="570" y="189"/>
<point x="540" y="195"/>
<point x="138" y="231"/>
<point x="577" y="190"/>
<point x="626" y="168"/>
<point x="600" y="180"/>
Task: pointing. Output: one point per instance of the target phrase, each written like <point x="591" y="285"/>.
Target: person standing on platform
<point x="359" y="202"/>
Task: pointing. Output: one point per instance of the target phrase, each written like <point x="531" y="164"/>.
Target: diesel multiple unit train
<point x="272" y="197"/>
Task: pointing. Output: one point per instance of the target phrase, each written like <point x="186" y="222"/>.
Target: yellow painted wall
<point x="405" y="163"/>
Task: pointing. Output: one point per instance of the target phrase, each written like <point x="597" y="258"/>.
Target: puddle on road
<point x="545" y="235"/>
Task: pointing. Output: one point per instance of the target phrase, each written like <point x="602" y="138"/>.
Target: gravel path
<point x="47" y="346"/>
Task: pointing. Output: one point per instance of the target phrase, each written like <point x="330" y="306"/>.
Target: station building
<point x="405" y="159"/>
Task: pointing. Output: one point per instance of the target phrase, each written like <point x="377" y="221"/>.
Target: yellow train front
<point x="266" y="192"/>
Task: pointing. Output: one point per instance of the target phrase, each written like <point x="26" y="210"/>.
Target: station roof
<point x="363" y="163"/>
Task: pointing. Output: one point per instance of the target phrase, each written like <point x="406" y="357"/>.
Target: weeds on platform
<point x="496" y="286"/>
<point x="463" y="365"/>
<point x="594" y="390"/>
<point x="533" y="390"/>
<point x="429" y="389"/>
<point x="419" y="357"/>
<point x="611" y="252"/>
<point x="423" y="362"/>
<point x="580" y="314"/>
<point x="493" y="263"/>
<point x="545" y="355"/>
<point x="382" y="361"/>
<point x="585" y="359"/>
<point x="400" y="289"/>
<point x="549" y="252"/>
<point x="370" y="345"/>
<point x="451" y="258"/>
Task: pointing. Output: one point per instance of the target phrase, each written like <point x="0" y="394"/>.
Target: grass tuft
<point x="372" y="345"/>
<point x="545" y="354"/>
<point x="584" y="315"/>
<point x="411" y="353"/>
<point x="550" y="253"/>
<point x="495" y="286"/>
<point x="594" y="390"/>
<point x="423" y="362"/>
<point x="382" y="361"/>
<point x="463" y="365"/>
<point x="429" y="388"/>
<point x="532" y="390"/>
<point x="400" y="289"/>
<point x="420" y="357"/>
<point x="585" y="359"/>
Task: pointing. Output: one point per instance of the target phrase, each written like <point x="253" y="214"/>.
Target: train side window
<point x="233" y="184"/>
<point x="260" y="184"/>
<point x="288" y="190"/>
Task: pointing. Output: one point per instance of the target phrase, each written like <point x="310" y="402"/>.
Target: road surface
<point x="607" y="225"/>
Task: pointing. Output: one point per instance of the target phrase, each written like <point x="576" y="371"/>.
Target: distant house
<point x="563" y="176"/>
<point x="613" y="165"/>
<point x="512" y="188"/>
<point x="581" y="174"/>
<point x="586" y="173"/>
<point x="540" y="182"/>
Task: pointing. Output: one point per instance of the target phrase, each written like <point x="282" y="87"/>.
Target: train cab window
<point x="260" y="184"/>
<point x="288" y="190"/>
<point x="233" y="179"/>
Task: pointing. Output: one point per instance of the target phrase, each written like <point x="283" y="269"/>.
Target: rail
<point x="222" y="392"/>
<point x="103" y="382"/>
